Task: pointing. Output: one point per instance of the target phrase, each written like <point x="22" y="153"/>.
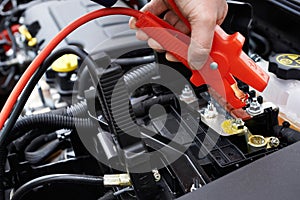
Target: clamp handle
<point x="226" y="61"/>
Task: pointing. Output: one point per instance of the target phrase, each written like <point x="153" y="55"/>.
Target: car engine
<point x="106" y="117"/>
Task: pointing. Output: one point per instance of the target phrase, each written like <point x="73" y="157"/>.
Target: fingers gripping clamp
<point x="226" y="60"/>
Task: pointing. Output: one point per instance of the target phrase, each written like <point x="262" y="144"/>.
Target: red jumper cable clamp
<point x="226" y="61"/>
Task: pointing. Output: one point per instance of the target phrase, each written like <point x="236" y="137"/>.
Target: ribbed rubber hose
<point x="77" y="110"/>
<point x="47" y="120"/>
<point x="54" y="179"/>
<point x="139" y="76"/>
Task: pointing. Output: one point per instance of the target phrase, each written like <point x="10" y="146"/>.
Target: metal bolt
<point x="196" y="185"/>
<point x="254" y="108"/>
<point x="187" y="95"/>
<point x="238" y="124"/>
<point x="255" y="57"/>
<point x="73" y="77"/>
<point x="210" y="111"/>
<point x="274" y="142"/>
<point x="156" y="175"/>
<point x="187" y="92"/>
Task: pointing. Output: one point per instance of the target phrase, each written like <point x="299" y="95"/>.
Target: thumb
<point x="201" y="41"/>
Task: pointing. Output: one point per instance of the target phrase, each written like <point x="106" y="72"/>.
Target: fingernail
<point x="171" y="58"/>
<point x="132" y="22"/>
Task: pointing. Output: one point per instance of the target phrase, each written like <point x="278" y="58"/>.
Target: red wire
<point x="179" y="14"/>
<point x="13" y="97"/>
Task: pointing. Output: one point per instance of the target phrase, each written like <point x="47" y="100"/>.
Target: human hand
<point x="203" y="16"/>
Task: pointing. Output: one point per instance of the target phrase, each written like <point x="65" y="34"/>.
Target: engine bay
<point x="106" y="117"/>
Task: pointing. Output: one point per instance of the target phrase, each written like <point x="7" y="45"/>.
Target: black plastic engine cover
<point x="109" y="34"/>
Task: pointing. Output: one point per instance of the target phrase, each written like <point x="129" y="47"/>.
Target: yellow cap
<point x="66" y="63"/>
<point x="31" y="40"/>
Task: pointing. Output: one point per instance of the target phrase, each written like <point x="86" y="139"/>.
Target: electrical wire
<point x="43" y="147"/>
<point x="21" y="143"/>
<point x="135" y="61"/>
<point x="110" y="195"/>
<point x="8" y="107"/>
<point x="57" y="179"/>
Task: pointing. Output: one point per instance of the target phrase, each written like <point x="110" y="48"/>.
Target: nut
<point x="254" y="108"/>
<point x="156" y="175"/>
